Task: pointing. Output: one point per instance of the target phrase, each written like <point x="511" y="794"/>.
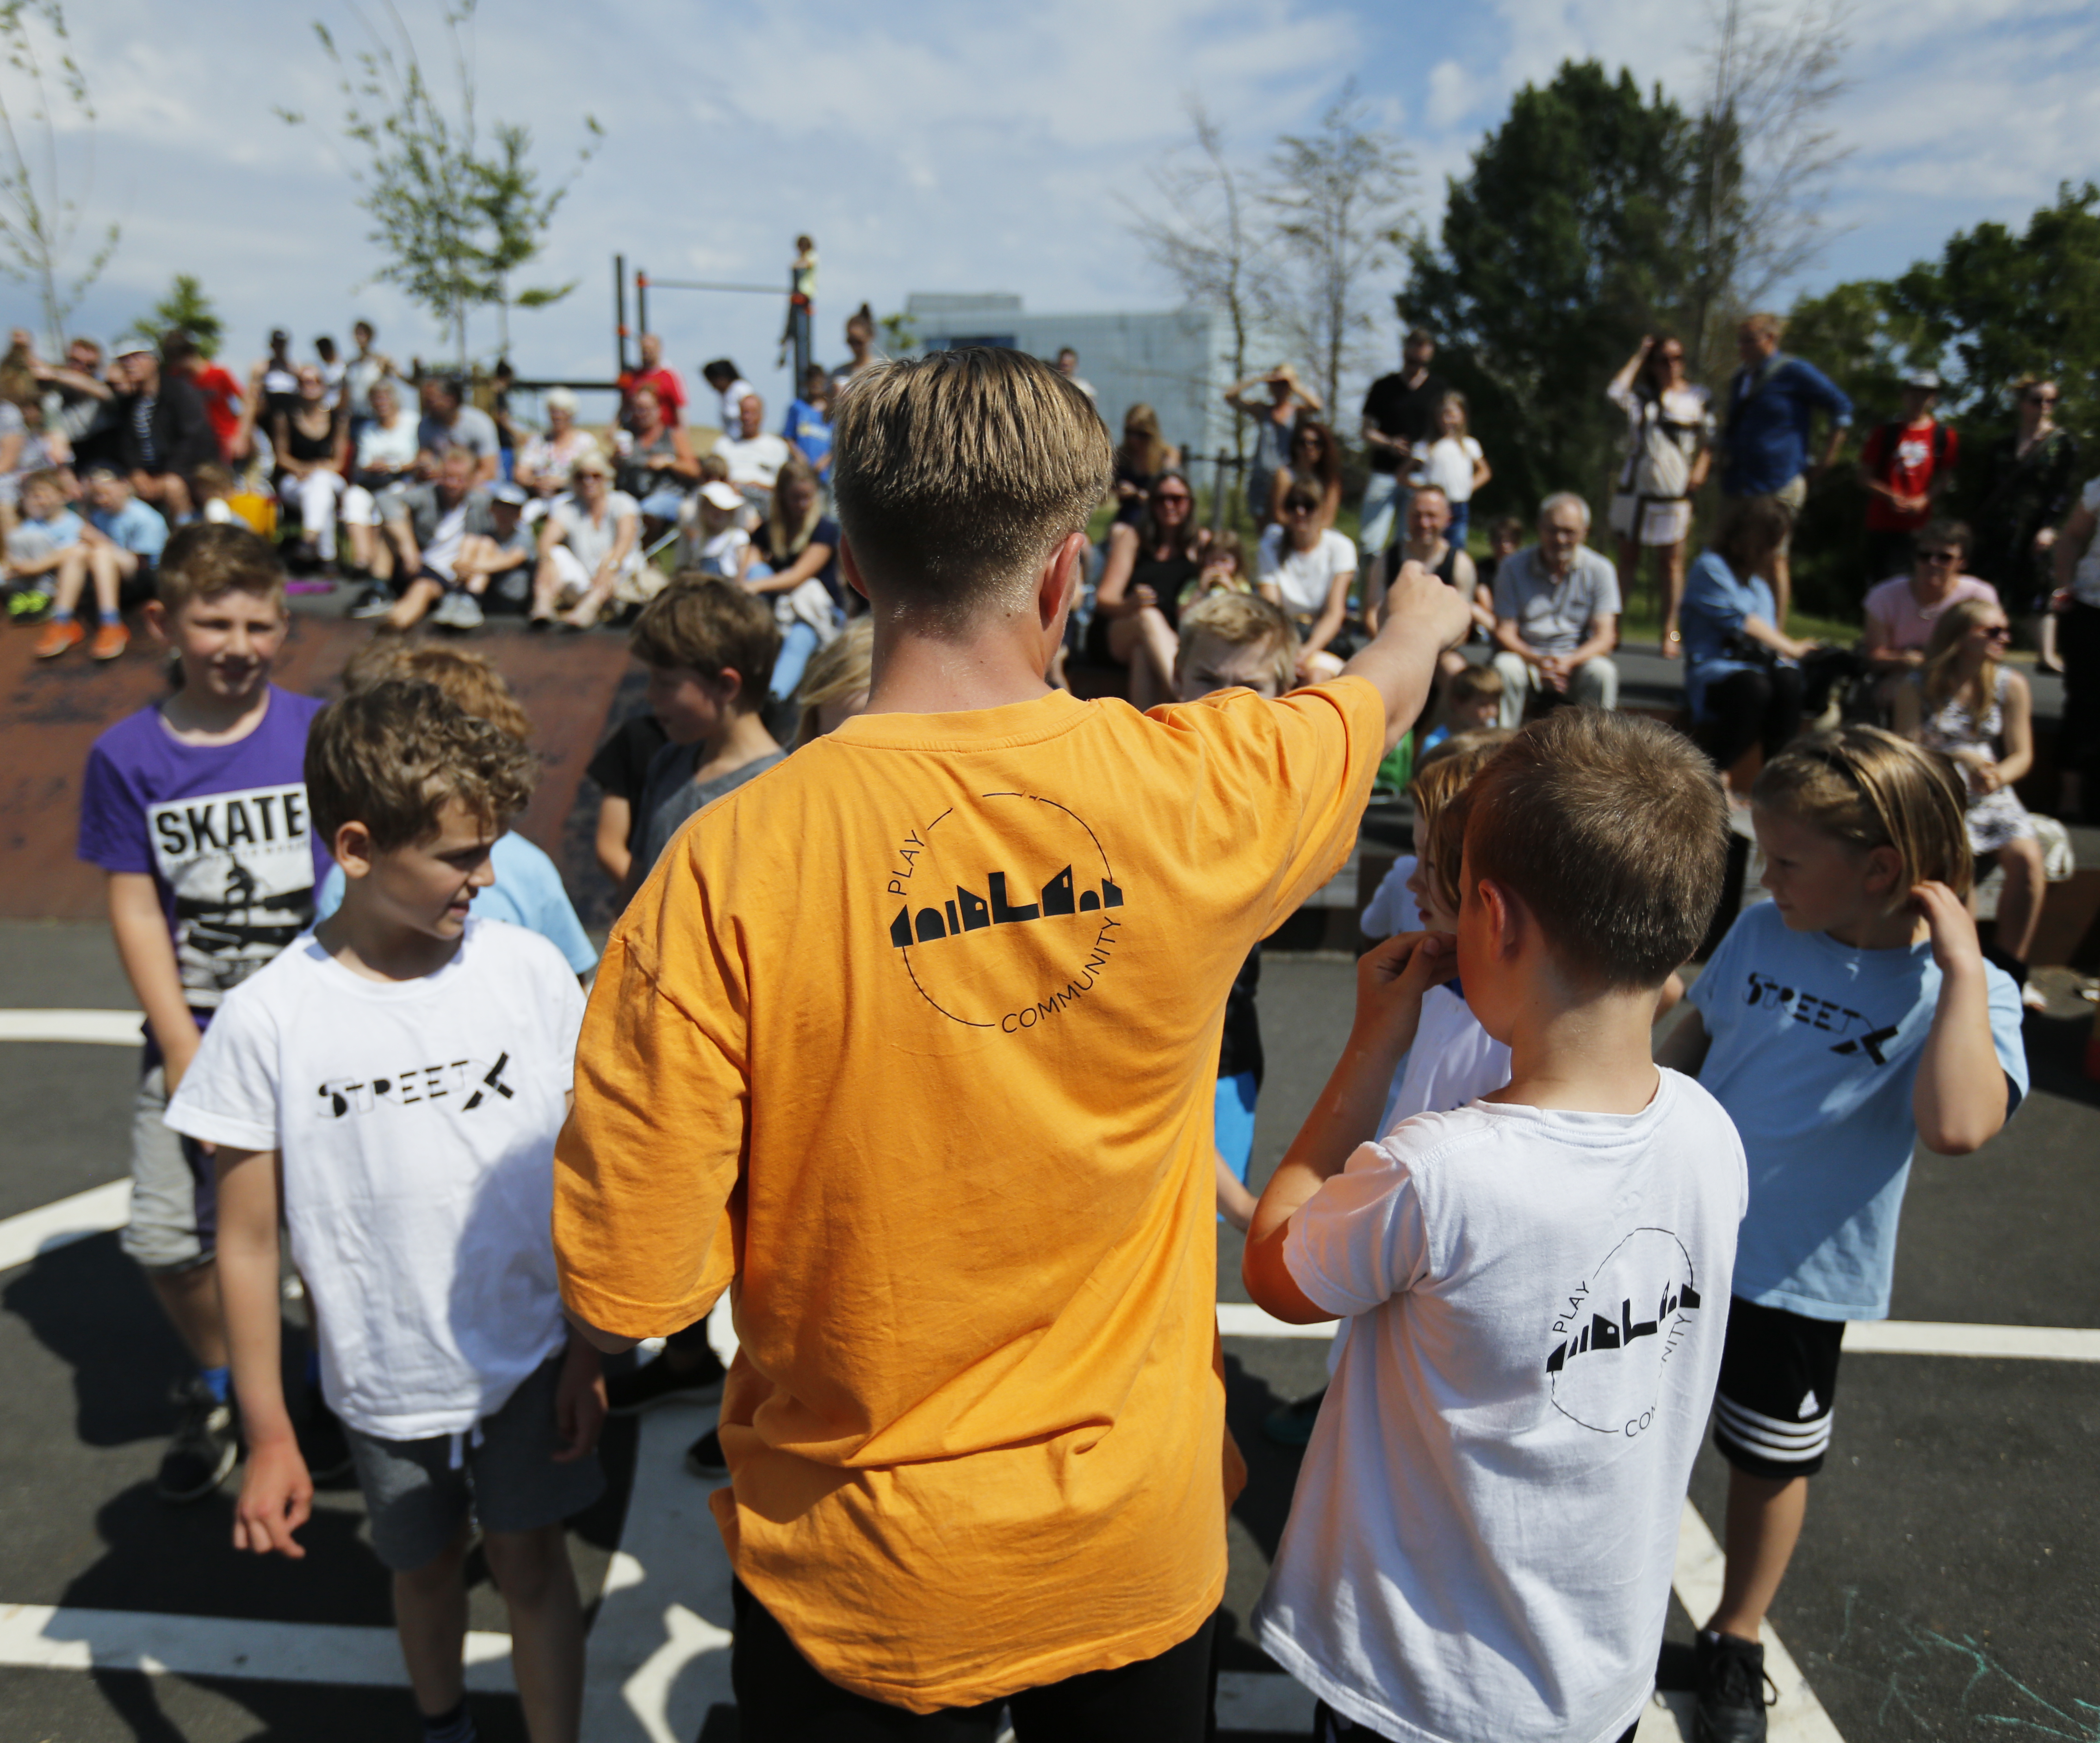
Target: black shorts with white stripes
<point x="1779" y="1376"/>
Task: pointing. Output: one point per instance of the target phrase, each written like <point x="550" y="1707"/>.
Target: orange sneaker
<point x="58" y="637"/>
<point x="110" y="641"/>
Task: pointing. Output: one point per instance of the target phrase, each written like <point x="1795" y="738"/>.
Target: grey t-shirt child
<point x="670" y="794"/>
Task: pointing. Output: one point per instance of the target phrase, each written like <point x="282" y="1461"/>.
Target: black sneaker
<point x="204" y="1447"/>
<point x="322" y="1443"/>
<point x="1731" y="1695"/>
<point x="703" y="1457"/>
<point x="374" y="602"/>
<point x="658" y="1382"/>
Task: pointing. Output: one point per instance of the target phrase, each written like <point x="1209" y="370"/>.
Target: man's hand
<point x="276" y="1498"/>
<point x="579" y="1402"/>
<point x="1426" y="606"/>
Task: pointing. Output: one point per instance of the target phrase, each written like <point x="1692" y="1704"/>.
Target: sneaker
<point x="205" y="1445"/>
<point x="28" y="602"/>
<point x="703" y="1457"/>
<point x="1292" y="1426"/>
<point x="374" y="602"/>
<point x="59" y="638"/>
<point x="110" y="641"/>
<point x="644" y="1388"/>
<point x="322" y="1443"/>
<point x="457" y="611"/>
<point x="1731" y="1695"/>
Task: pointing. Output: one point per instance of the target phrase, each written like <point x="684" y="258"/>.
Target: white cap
<point x="720" y="495"/>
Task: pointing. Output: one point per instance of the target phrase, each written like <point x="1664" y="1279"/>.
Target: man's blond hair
<point x="957" y="474"/>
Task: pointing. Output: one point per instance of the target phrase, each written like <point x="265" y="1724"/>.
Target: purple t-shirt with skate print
<point x="223" y="829"/>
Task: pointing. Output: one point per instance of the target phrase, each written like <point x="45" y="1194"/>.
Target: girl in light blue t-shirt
<point x="1839" y="1024"/>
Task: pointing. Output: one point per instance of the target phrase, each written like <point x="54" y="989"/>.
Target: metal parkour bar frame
<point x="644" y="283"/>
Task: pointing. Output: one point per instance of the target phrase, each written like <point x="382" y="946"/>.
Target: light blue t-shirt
<point x="1815" y="1050"/>
<point x="134" y="528"/>
<point x="528" y="892"/>
<point x="1716" y="601"/>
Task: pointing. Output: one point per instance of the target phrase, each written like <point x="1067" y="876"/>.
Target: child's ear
<point x="1885" y="869"/>
<point x="155" y="615"/>
<point x="353" y="850"/>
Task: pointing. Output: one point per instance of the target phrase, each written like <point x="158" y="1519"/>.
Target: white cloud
<point x="1452" y="93"/>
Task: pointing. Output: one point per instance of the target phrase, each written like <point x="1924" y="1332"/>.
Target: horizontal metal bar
<point x="684" y="284"/>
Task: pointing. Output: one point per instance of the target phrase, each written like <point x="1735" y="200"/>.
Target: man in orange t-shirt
<point x="910" y="1045"/>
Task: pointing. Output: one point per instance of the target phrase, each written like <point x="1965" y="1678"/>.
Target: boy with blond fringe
<point x="911" y="1040"/>
<point x="1532" y="1285"/>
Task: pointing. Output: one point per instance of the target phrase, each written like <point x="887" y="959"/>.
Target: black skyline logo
<point x="968" y="912"/>
<point x="1602" y="1333"/>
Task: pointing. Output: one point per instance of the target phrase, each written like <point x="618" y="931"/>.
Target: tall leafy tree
<point x="185" y="306"/>
<point x="1563" y="244"/>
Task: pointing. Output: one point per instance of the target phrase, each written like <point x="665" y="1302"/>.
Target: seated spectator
<point x="280" y="379"/>
<point x="544" y="462"/>
<point x="1742" y="676"/>
<point x="214" y="486"/>
<point x="1309" y="573"/>
<point x="711" y="536"/>
<point x="1505" y="540"/>
<point x="37" y="543"/>
<point x="1141" y="457"/>
<point x="1224" y="570"/>
<point x="494" y="568"/>
<point x="448" y="421"/>
<point x="589" y="542"/>
<point x="502" y="379"/>
<point x="87" y="401"/>
<point x="835" y="683"/>
<point x="165" y="435"/>
<point x="1965" y="702"/>
<point x="1426" y="539"/>
<point x="1314" y="460"/>
<point x="808" y="426"/>
<point x="333" y="371"/>
<point x="361" y="374"/>
<point x="1902" y="610"/>
<point x="1557" y="614"/>
<point x="384" y="461"/>
<point x="754" y="456"/>
<point x="116" y="551"/>
<point x="1472" y="703"/>
<point x="658" y="467"/>
<point x="660" y="378"/>
<point x="731" y="388"/>
<point x="1138" y="601"/>
<point x="426" y="525"/>
<point x="25" y="446"/>
<point x="312" y="444"/>
<point x="225" y="403"/>
<point x="800" y="574"/>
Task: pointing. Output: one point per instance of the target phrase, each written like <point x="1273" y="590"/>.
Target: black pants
<point x="782" y="1698"/>
<point x="1761" y="706"/>
<point x="1328" y="1727"/>
<point x="2078" y="740"/>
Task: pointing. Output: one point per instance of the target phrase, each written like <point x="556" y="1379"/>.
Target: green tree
<point x="1561" y="246"/>
<point x="454" y="218"/>
<point x="41" y="189"/>
<point x="187" y="306"/>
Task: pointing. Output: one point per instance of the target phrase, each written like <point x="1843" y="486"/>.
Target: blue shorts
<point x="1235" y="1122"/>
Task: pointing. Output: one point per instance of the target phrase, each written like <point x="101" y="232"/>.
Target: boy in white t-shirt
<point x="395" y="1081"/>
<point x="1481" y="1541"/>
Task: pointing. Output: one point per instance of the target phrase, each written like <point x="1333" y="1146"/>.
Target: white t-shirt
<point x="1391" y="909"/>
<point x="389" y="445"/>
<point x="1449" y="466"/>
<point x="1481" y="1541"/>
<point x="592" y="542"/>
<point x="443" y="549"/>
<point x="721" y="552"/>
<point x="733" y="397"/>
<point x="1304" y="577"/>
<point x="756" y="462"/>
<point x="416" y="1121"/>
<point x="1453" y="1061"/>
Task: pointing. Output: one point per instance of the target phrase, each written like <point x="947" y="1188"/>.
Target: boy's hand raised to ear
<point x="1390" y="983"/>
<point x="1421" y="617"/>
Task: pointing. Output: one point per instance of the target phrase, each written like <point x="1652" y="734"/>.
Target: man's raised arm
<point x="1421" y="618"/>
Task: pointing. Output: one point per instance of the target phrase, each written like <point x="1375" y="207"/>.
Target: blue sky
<point x="945" y="146"/>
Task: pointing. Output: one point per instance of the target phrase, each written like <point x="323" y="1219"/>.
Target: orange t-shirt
<point x="911" y="1042"/>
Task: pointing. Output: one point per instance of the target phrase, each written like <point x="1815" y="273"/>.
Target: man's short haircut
<point x="1429" y="490"/>
<point x="86" y="343"/>
<point x="1562" y="499"/>
<point x="389" y="757"/>
<point x="1474" y="684"/>
<point x="450" y="386"/>
<point x="1774" y="325"/>
<point x="958" y="473"/>
<point x="207" y="558"/>
<point x="1954" y="532"/>
<point x="1435" y="792"/>
<point x="177" y="347"/>
<point x="467" y="680"/>
<point x="1869" y="788"/>
<point x="1612" y="830"/>
<point x="1238" y="620"/>
<point x="713" y="626"/>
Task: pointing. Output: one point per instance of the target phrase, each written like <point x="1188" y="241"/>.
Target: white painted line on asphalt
<point x="95" y="1211"/>
<point x="1912" y="1337"/>
<point x="96" y="1028"/>
<point x="42" y="1636"/>
<point x="1243" y="1319"/>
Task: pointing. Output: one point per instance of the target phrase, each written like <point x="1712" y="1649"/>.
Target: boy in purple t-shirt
<point x="196" y="809"/>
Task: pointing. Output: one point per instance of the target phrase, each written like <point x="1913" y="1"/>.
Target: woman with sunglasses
<point x="1902" y="611"/>
<point x="1138" y="602"/>
<point x="2030" y="486"/>
<point x="1669" y="447"/>
<point x="1967" y="704"/>
<point x="1315" y="460"/>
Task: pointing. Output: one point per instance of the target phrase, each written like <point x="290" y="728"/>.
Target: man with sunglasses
<point x="1902" y="610"/>
<point x="1906" y="466"/>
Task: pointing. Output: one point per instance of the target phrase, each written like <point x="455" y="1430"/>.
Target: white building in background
<point x="1176" y="361"/>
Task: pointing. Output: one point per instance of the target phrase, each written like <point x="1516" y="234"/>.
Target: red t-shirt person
<point x="670" y="391"/>
<point x="1908" y="458"/>
<point x="222" y="404"/>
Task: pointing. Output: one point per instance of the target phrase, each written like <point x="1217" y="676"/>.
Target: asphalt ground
<point x="1943" y="1588"/>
